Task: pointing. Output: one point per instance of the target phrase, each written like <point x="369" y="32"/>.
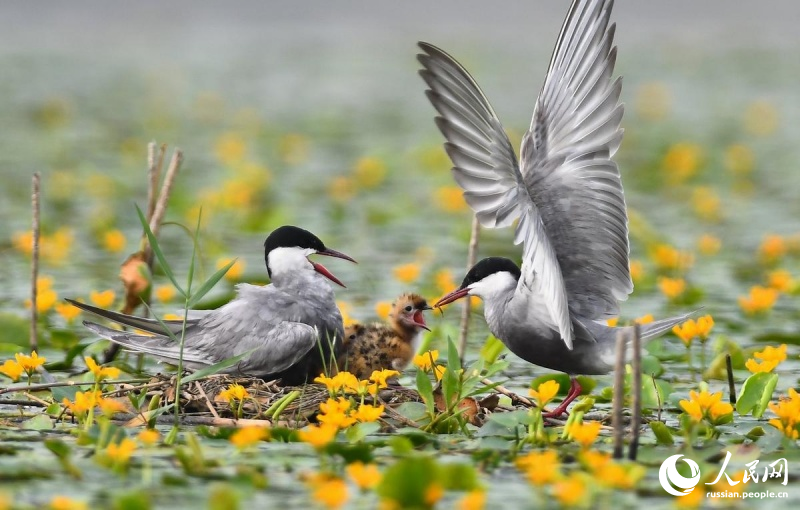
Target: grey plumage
<point x="292" y="325"/>
<point x="565" y="192"/>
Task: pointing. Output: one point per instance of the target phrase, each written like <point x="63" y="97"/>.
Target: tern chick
<point x="292" y="326"/>
<point x="378" y="346"/>
<point x="565" y="192"/>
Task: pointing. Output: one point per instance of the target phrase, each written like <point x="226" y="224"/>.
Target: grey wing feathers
<point x="485" y="166"/>
<point x="161" y="347"/>
<point x="285" y="345"/>
<point x="149" y="325"/>
<point x="567" y="165"/>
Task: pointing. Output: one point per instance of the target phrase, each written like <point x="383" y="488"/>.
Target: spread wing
<point x="567" y="165"/>
<point x="485" y="166"/>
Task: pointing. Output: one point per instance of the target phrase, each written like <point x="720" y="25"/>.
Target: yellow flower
<point x="344" y="309"/>
<point x="739" y="159"/>
<point x="788" y="414"/>
<point x="450" y="199"/>
<point x="704" y="326"/>
<point x="620" y="477"/>
<point x="165" y="293"/>
<point x="473" y="500"/>
<point x="644" y="319"/>
<point x="236" y="270"/>
<point x="382" y="309"/>
<point x="293" y="148"/>
<point x="612" y="323"/>
<point x="367" y="413"/>
<point x="341" y="189"/>
<point x="12" y="369"/>
<point x="709" y="245"/>
<point x="653" y="101"/>
<point x="672" y="288"/>
<point x="760" y="300"/>
<point x="772" y="248"/>
<point x="234" y="392"/>
<point x="761" y="118"/>
<point x="571" y="490"/>
<point x="433" y="493"/>
<point x="780" y="280"/>
<point x="45" y="299"/>
<point x="379" y="377"/>
<point x="719" y="410"/>
<point x="545" y="392"/>
<point x="109" y="406"/>
<point x="65" y="503"/>
<point x="331" y="493"/>
<point x="693" y="409"/>
<point x="68" y="311"/>
<point x="706" y="405"/>
<point x="637" y="271"/>
<point x="102" y="299"/>
<point x="785" y="429"/>
<point x="248" y="436"/>
<point x="669" y="258"/>
<point x="341" y="405"/>
<point x="99" y="372"/>
<point x="540" y="467"/>
<point x="84" y="402"/>
<point x="121" y="452"/>
<point x="406" y="273"/>
<point x="318" y="436"/>
<point x="594" y="460"/>
<point x="365" y="476"/>
<point x="29" y="363"/>
<point x="425" y="360"/>
<point x="706" y="203"/>
<point x="369" y="172"/>
<point x="149" y="437"/>
<point x="337" y="419"/>
<point x="585" y="433"/>
<point x="692" y="499"/>
<point x="230" y="148"/>
<point x="172" y="317"/>
<point x="681" y="162"/>
<point x="770" y="358"/>
<point x="114" y="241"/>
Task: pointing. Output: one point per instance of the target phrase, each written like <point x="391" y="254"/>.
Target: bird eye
<point x="409" y="308"/>
<point x="353" y="336"/>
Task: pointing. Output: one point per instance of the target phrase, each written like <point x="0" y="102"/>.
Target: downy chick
<point x="378" y="346"/>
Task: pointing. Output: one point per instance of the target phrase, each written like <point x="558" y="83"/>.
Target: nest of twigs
<point x="201" y="402"/>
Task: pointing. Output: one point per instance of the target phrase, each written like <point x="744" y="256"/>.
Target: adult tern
<point x="292" y="325"/>
<point x="565" y="192"/>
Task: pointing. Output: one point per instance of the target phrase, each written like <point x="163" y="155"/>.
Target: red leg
<point x="574" y="392"/>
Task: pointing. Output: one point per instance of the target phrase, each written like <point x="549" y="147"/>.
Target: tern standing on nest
<point x="292" y="325"/>
<point x="565" y="191"/>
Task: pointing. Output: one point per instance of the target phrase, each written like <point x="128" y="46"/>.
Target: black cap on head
<point x="289" y="236"/>
<point x="489" y="266"/>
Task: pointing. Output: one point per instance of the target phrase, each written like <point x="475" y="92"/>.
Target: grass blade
<point x="216" y="367"/>
<point x="151" y="238"/>
<point x="209" y="284"/>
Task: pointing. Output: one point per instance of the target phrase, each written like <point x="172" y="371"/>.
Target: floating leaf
<point x="756" y="393"/>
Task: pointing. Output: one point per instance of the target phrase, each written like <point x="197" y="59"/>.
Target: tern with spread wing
<point x="292" y="325"/>
<point x="565" y="193"/>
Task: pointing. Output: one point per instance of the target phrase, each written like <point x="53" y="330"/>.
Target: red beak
<point x="324" y="271"/>
<point x="453" y="296"/>
<point x="419" y="320"/>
